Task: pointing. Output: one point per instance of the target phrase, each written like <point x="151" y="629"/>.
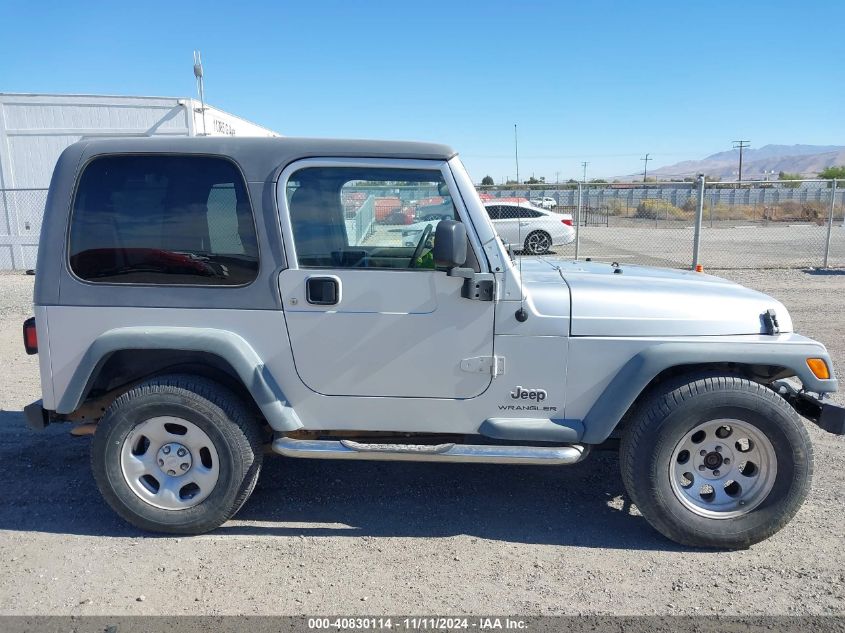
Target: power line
<point x="645" y="160"/>
<point x="740" y="145"/>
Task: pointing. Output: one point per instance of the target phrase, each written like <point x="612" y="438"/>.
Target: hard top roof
<point x="261" y="157"/>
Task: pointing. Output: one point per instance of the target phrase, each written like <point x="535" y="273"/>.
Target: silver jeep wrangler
<point x="199" y="300"/>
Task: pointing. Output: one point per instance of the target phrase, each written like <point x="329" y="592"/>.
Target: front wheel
<point x="538" y="242"/>
<point x="177" y="454"/>
<point x="716" y="461"/>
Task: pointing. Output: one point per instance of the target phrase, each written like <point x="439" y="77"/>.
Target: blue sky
<point x="604" y="82"/>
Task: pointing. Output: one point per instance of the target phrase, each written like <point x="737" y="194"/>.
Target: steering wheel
<point x="420" y="246"/>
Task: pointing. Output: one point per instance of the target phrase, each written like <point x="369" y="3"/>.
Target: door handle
<point x="323" y="290"/>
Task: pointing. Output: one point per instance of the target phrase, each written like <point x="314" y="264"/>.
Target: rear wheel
<point x="716" y="461"/>
<point x="538" y="242"/>
<point x="178" y="454"/>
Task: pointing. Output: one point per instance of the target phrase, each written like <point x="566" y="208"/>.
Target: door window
<point x="367" y="217"/>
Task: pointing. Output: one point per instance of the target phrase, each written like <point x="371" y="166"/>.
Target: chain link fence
<point x="782" y="224"/>
<point x="21" y="211"/>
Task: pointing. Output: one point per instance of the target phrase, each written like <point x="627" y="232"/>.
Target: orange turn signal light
<point x="819" y="368"/>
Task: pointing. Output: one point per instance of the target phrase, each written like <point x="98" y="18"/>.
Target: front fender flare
<point x="231" y="347"/>
<point x="789" y="351"/>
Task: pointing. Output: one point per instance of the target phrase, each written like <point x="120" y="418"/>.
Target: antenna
<point x="200" y="86"/>
<point x="521" y="315"/>
<point x="645" y="165"/>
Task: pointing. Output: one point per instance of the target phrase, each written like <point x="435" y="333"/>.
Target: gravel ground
<point x="380" y="538"/>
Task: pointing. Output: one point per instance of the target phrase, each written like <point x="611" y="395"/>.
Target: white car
<point x="412" y="233"/>
<point x="529" y="227"/>
<point x="544" y="203"/>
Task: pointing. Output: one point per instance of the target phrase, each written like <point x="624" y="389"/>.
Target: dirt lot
<point x="370" y="538"/>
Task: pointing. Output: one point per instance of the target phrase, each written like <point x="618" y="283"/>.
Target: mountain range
<point x="757" y="164"/>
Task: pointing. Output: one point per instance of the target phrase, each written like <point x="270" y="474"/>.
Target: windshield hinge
<point x="770" y="322"/>
<point x="494" y="365"/>
<point x="477" y="286"/>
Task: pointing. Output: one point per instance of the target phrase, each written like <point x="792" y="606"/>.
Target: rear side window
<point x="163" y="220"/>
<point x="514" y="212"/>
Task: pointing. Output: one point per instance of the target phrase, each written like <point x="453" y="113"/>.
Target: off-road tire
<point x="673" y="410"/>
<point x="224" y="418"/>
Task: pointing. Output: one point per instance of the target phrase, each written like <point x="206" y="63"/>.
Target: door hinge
<point x="494" y="365"/>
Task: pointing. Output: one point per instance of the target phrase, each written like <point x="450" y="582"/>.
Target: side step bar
<point x="465" y="453"/>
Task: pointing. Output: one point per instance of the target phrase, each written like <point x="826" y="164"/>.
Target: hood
<point x="644" y="301"/>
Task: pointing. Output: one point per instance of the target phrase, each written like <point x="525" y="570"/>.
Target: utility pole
<point x="584" y="165"/>
<point x="741" y="145"/>
<point x="645" y="160"/>
<point x="516" y="152"/>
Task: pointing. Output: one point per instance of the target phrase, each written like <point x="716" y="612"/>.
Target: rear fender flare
<point x="233" y="348"/>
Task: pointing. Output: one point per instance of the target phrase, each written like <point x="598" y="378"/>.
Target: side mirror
<point x="450" y="244"/>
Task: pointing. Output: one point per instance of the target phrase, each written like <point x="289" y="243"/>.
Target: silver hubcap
<point x="723" y="468"/>
<point x="170" y="463"/>
<point x="174" y="459"/>
<point x="538" y="243"/>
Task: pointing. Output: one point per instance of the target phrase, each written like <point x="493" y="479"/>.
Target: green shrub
<point x="658" y="208"/>
<point x="791" y="211"/>
<point x="690" y="205"/>
<point x="617" y="207"/>
<point x="790" y="179"/>
<point x="829" y="173"/>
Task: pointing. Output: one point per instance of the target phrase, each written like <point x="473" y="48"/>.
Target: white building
<point x="35" y="128"/>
